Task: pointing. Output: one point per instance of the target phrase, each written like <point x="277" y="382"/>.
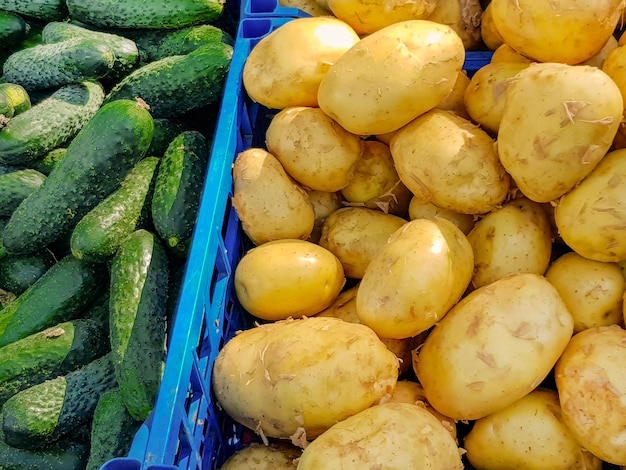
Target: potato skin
<point x="302" y="376"/>
<point x="274" y="456"/>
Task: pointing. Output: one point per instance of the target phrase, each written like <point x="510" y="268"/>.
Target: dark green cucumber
<point x="153" y="14"/>
<point x="49" y="161"/>
<point x="12" y="29"/>
<point x="177" y="84"/>
<point x="59" y="295"/>
<point x="100" y="232"/>
<point x="96" y="161"/>
<point x="50" y="123"/>
<point x="164" y="132"/>
<point x="125" y="51"/>
<point x="19" y="272"/>
<point x="178" y="187"/>
<point x="98" y="311"/>
<point x="64" y="454"/>
<point x="47" y="10"/>
<point x="139" y="281"/>
<point x="57" y="64"/>
<point x="3" y="223"/>
<point x="43" y="413"/>
<point x="16" y="186"/>
<point x="54" y="351"/>
<point x="6" y="110"/>
<point x="18" y="96"/>
<point x="112" y="430"/>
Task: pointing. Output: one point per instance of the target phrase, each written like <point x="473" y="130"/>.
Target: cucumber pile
<point x="107" y="113"/>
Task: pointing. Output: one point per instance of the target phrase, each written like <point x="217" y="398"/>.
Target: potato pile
<point x="438" y="261"/>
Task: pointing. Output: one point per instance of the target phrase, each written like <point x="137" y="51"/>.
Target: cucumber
<point x="57" y="296"/>
<point x="112" y="430"/>
<point x="43" y="413"/>
<point x="18" y="96"/>
<point x="98" y="311"/>
<point x="16" y="186"/>
<point x="54" y="351"/>
<point x="96" y="161"/>
<point x="47" y="10"/>
<point x="178" y="187"/>
<point x="6" y="110"/>
<point x="153" y="14"/>
<point x="3" y="223"/>
<point x="49" y="161"/>
<point x="164" y="132"/>
<point x="139" y="281"/>
<point x="12" y="29"/>
<point x="177" y="84"/>
<point x="49" y="123"/>
<point x="61" y="455"/>
<point x="19" y="272"/>
<point x="100" y="232"/>
<point x="57" y="64"/>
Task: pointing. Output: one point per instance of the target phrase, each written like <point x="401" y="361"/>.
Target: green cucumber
<point x="164" y="132"/>
<point x="97" y="160"/>
<point x="98" y="311"/>
<point x="49" y="161"/>
<point x="52" y="352"/>
<point x="100" y="232"/>
<point x="178" y="187"/>
<point x="18" y="96"/>
<point x="112" y="430"/>
<point x="61" y="294"/>
<point x="57" y="64"/>
<point x="3" y="223"/>
<point x="153" y="14"/>
<point x="177" y="84"/>
<point x="16" y="186"/>
<point x="49" y="123"/>
<point x="43" y="413"/>
<point x="139" y="282"/>
<point x="47" y="10"/>
<point x="19" y="272"/>
<point x="6" y="110"/>
<point x="12" y="29"/>
<point x="64" y="454"/>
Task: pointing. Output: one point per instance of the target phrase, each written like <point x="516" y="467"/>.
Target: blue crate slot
<point x="268" y="8"/>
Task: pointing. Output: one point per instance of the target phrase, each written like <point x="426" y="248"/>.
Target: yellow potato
<point x="393" y="436"/>
<point x="412" y="282"/>
<point x="598" y="59"/>
<point x="313" y="148"/>
<point x="392" y="76"/>
<point x="488" y="31"/>
<point x="287" y="278"/>
<point x="505" y="53"/>
<point x="286" y="66"/>
<point x="592" y="290"/>
<point x="419" y="209"/>
<point x="494" y="347"/>
<point x="449" y="161"/>
<point x="274" y="456"/>
<point x="614" y="66"/>
<point x="312" y="7"/>
<point x="455" y="101"/>
<point x="484" y="96"/>
<point x="590" y="217"/>
<point x="270" y="205"/>
<point x="324" y="203"/>
<point x="513" y="239"/>
<point x="296" y="378"/>
<point x="356" y="234"/>
<point x="558" y="122"/>
<point x="463" y="16"/>
<point x="528" y="434"/>
<point x="567" y="31"/>
<point x="591" y="382"/>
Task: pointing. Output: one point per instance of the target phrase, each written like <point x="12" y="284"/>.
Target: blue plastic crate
<point x="268" y="8"/>
<point x="186" y="430"/>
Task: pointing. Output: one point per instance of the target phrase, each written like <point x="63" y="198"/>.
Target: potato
<point x="324" y="203"/>
<point x="505" y="53"/>
<point x="592" y="290"/>
<point x="528" y="434"/>
<point x="419" y="209"/>
<point x="274" y="456"/>
<point x="412" y="282"/>
<point x="591" y="382"/>
<point x="614" y="66"/>
<point x="463" y="16"/>
<point x="455" y="101"/>
<point x="494" y="346"/>
<point x="488" y="31"/>
<point x="313" y="148"/>
<point x="312" y="7"/>
<point x="269" y="203"/>
<point x="286" y="66"/>
<point x="449" y="161"/>
<point x="513" y="239"/>
<point x="287" y="278"/>
<point x="484" y="96"/>
<point x="356" y="234"/>
<point x="558" y="122"/>
<point x="590" y="218"/>
<point x="598" y="59"/>
<point x="567" y="31"/>
<point x="393" y="436"/>
<point x="392" y="76"/>
<point x="296" y="378"/>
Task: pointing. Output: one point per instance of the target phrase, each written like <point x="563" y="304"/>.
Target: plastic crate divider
<point x="268" y="8"/>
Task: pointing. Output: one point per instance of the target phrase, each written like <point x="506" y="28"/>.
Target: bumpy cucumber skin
<point x="7" y="111"/>
<point x="47" y="354"/>
<point x="16" y="186"/>
<point x="19" y="272"/>
<point x="47" y="10"/>
<point x="178" y="187"/>
<point x="153" y="14"/>
<point x="112" y="430"/>
<point x="177" y="84"/>
<point x="49" y="161"/>
<point x="164" y="132"/>
<point x="49" y="123"/>
<point x="139" y="284"/>
<point x="12" y="29"/>
<point x="57" y="64"/>
<point x="64" y="454"/>
<point x="100" y="232"/>
<point x="38" y="415"/>
<point x="96" y="162"/>
<point x="57" y="296"/>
